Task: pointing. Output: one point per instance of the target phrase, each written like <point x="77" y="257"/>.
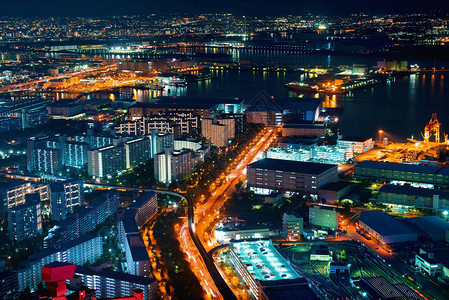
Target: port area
<point x="336" y="83"/>
<point x="407" y="152"/>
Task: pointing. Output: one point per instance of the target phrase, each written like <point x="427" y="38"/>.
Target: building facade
<point x="25" y="220"/>
<point x="273" y="175"/>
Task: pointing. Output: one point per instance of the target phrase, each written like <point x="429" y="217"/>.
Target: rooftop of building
<point x="6" y="183"/>
<point x="61" y="247"/>
<point x="354" y="139"/>
<point x="323" y="207"/>
<point x="305" y="124"/>
<point x="335" y="186"/>
<point x="292" y="166"/>
<point x="129" y="225"/>
<point x="383" y="223"/>
<point x="289" y="289"/>
<point x="303" y="104"/>
<point x="430" y="226"/>
<point x="381" y="165"/>
<point x="137" y="247"/>
<point x="413" y="191"/>
<point x="142" y="200"/>
<point x="245" y="227"/>
<point x="263" y="261"/>
<point x="115" y="275"/>
<point x="440" y="255"/>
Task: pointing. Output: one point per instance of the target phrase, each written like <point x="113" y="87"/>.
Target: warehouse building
<point x="408" y="196"/>
<point x="388" y="171"/>
<point x="268" y="176"/>
<point x="385" y="229"/>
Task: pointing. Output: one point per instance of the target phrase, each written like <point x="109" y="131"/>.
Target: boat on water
<point x="302" y="87"/>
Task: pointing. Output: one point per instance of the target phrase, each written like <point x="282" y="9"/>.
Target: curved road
<point x="221" y="284"/>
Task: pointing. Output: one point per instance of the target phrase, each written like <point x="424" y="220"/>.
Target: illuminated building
<point x="274" y="175"/>
<point x="140" y="110"/>
<point x="145" y="208"/>
<point x="111" y="284"/>
<point x="312" y="129"/>
<point x="8" y="282"/>
<point x="175" y="165"/>
<point x="25" y="220"/>
<point x="285" y="153"/>
<point x="384" y="228"/>
<point x="292" y="226"/>
<point x="64" y="197"/>
<point x="408" y="196"/>
<point x="267" y="274"/>
<point x="305" y="109"/>
<point x="75" y="154"/>
<point x="64" y="109"/>
<point x="84" y="221"/>
<point x="137" y="151"/>
<point x="388" y="171"/>
<point x="79" y="251"/>
<point x="137" y="259"/>
<point x="160" y="141"/>
<point x="356" y="144"/>
<point x="225" y="235"/>
<point x="107" y="161"/>
<point x="216" y="131"/>
<point x="48" y="160"/>
<point x="323" y="216"/>
<point x="94" y="141"/>
<point x="13" y="191"/>
<point x="388" y="65"/>
<point x="330" y="154"/>
<point x="320" y="253"/>
<point x="10" y="124"/>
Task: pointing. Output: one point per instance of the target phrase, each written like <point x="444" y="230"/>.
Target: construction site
<point x="431" y="149"/>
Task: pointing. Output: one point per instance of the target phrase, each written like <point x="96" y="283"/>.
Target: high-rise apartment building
<point x="64" y="197"/>
<point x="25" y="220"/>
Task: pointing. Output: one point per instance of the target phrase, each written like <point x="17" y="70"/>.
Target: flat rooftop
<point x="425" y="169"/>
<point x="383" y="223"/>
<point x="263" y="261"/>
<point x="412" y="191"/>
<point x="292" y="166"/>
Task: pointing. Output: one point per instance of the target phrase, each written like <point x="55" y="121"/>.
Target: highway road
<point x="200" y="219"/>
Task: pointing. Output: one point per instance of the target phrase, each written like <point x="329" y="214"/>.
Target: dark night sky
<point x="248" y="7"/>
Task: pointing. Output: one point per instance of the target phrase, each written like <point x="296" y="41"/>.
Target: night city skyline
<point x="224" y="150"/>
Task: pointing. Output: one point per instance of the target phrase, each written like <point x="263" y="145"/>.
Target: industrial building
<point x="225" y="235"/>
<point x="266" y="272"/>
<point x="413" y="173"/>
<point x="385" y="229"/>
<point x="268" y="176"/>
<point x="433" y="262"/>
<point x="304" y="129"/>
<point x="322" y="154"/>
<point x="292" y="226"/>
<point x="323" y="216"/>
<point x="408" y="196"/>
<point x="429" y="228"/>
<point x="358" y="145"/>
